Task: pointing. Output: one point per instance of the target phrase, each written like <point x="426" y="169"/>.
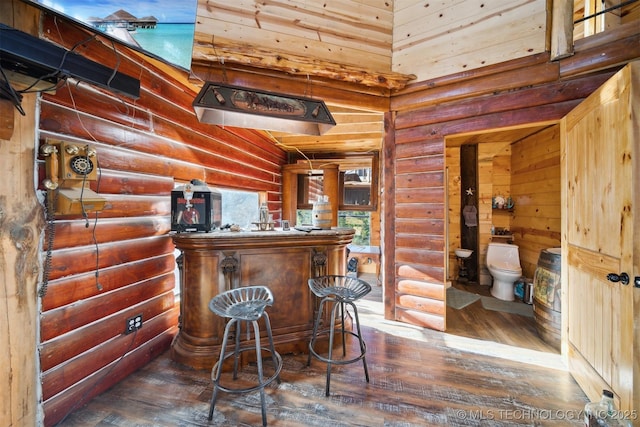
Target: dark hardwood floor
<point x="489" y="369"/>
<point x="474" y="321"/>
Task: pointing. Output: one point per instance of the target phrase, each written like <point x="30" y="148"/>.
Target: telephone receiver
<point x="52" y="165"/>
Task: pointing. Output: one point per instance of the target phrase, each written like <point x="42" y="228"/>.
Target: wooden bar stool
<point x="245" y="304"/>
<point x="338" y="291"/>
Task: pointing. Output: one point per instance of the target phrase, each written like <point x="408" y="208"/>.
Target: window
<point x="239" y="207"/>
<point x="360" y="221"/>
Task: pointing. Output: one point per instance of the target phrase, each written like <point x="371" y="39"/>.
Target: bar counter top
<point x="258" y="238"/>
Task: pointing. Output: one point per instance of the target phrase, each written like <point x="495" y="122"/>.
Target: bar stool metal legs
<point x="338" y="291"/>
<point x="244" y="305"/>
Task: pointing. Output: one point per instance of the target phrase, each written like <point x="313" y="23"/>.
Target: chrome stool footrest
<point x="266" y="382"/>
<point x="339" y="361"/>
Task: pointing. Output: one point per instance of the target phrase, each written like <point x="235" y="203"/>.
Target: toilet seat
<point x="505" y="267"/>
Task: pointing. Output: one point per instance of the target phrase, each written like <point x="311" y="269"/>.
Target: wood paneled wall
<point x="120" y="262"/>
<point x="535" y="188"/>
<point x="494" y="178"/>
<point x="432" y="39"/>
<point x="454" y="204"/>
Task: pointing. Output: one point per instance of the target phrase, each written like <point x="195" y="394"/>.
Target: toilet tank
<point x="501" y="253"/>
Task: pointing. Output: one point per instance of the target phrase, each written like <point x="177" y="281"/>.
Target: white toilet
<point x="503" y="262"/>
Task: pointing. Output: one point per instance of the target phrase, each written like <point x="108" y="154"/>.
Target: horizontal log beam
<point x="502" y="67"/>
<point x="596" y="58"/>
<point x="67" y="375"/>
<point x="70" y="233"/>
<point x="544" y="114"/>
<point x="239" y="53"/>
<point x="122" y="182"/>
<point x="577" y="88"/>
<point x="62" y="320"/>
<point x="485" y="85"/>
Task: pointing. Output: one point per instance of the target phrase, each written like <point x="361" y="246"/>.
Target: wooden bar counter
<point x="211" y="263"/>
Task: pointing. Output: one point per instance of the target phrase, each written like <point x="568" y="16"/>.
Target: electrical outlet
<point x="133" y="324"/>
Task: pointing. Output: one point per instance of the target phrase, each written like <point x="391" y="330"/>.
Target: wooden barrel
<point x="547" y="324"/>
<point x="321" y="215"/>
<point x="547" y="304"/>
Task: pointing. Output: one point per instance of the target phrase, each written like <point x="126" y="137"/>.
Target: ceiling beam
<point x="255" y="56"/>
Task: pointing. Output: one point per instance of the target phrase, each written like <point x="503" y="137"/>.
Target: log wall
<point x="120" y="262"/>
<point x="513" y="94"/>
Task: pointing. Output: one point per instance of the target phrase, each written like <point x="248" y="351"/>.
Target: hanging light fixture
<point x="236" y="106"/>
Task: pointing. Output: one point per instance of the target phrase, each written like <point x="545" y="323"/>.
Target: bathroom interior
<point x="502" y="187"/>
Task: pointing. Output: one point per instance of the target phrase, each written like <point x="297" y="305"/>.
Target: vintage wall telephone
<point x="70" y="168"/>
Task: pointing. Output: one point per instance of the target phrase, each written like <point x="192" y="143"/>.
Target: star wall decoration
<point x="469" y="191"/>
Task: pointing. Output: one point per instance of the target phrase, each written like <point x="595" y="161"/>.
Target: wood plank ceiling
<point x="319" y="47"/>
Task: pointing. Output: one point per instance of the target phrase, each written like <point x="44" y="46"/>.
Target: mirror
<point x="310" y="187"/>
<point x="358" y="182"/>
<point x="356" y="187"/>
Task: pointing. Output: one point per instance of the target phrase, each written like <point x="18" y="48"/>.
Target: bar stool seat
<point x="245" y="304"/>
<point x="338" y="291"/>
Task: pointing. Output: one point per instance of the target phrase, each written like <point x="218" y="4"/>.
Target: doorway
<point x="521" y="165"/>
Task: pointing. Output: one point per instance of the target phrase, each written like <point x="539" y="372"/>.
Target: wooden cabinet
<point x="282" y="260"/>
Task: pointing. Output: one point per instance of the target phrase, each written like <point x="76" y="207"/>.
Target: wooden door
<point x="600" y="212"/>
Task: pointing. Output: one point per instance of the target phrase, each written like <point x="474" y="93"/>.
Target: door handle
<point x="622" y="278"/>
